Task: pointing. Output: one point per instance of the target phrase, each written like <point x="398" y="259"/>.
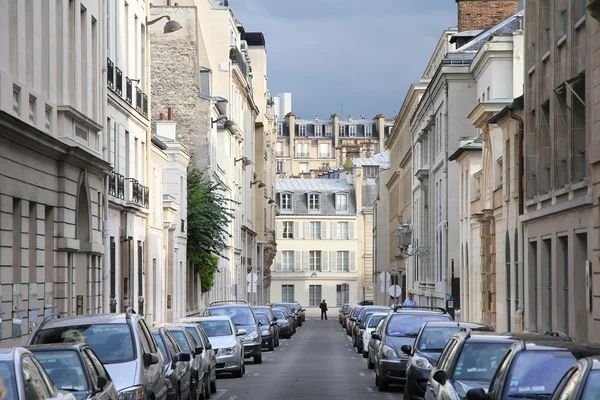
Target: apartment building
<point x="53" y="171"/>
<point x="318" y="245"/>
<point x="306" y="148"/>
<point x="560" y="219"/>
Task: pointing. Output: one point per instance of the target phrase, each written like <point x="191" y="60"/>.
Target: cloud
<point x="361" y="53"/>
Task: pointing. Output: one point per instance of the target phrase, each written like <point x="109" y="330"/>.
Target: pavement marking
<point x="369" y="389"/>
<point x="233" y="398"/>
<point x="390" y="396"/>
<point x="256" y="373"/>
<point x="354" y="358"/>
<point x="349" y="349"/>
<point x="270" y="359"/>
<point x="220" y="393"/>
<point x="361" y="373"/>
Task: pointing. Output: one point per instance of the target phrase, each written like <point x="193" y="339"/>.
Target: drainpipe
<point x="444" y="271"/>
<point x="520" y="193"/>
<point x="105" y="153"/>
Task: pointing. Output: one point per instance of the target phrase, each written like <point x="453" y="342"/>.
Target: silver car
<point x="23" y="378"/>
<point x="227" y="342"/>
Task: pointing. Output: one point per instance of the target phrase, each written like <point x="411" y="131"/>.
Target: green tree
<point x="208" y="217"/>
<point x="348" y="166"/>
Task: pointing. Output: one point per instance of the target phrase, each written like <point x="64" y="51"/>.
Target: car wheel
<point x="207" y="388"/>
<point x="213" y="387"/>
<point x="365" y="355"/>
<point x="406" y="395"/>
<point x="272" y="345"/>
<point x="200" y="393"/>
<point x="370" y="363"/>
<point x="358" y="350"/>
<point x="381" y="384"/>
<point x="258" y="359"/>
<point x="243" y="368"/>
<point x="239" y="373"/>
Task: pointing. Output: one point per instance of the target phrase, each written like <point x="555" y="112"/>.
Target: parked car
<point x="531" y="370"/>
<point x="359" y="325"/>
<point x="351" y="319"/>
<point x="290" y="310"/>
<point x="200" y="382"/>
<point x="284" y="321"/>
<point x="75" y="368"/>
<point x="424" y="354"/>
<point x="301" y="312"/>
<point x="344" y="309"/>
<point x="400" y="327"/>
<point x="226" y="340"/>
<point x="267" y="330"/>
<point x="370" y="326"/>
<point x="178" y="368"/>
<point x="374" y="344"/>
<point x="272" y="321"/>
<point x="25" y="379"/>
<point x="243" y="317"/>
<point x="123" y="343"/>
<point x="581" y="382"/>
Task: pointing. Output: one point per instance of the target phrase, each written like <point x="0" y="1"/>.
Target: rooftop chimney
<point x="167" y="128"/>
<point x="483" y="14"/>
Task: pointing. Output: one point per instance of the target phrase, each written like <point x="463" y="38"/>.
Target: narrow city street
<point x="319" y="362"/>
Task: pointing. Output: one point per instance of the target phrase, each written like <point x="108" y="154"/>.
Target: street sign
<point x="384" y="280"/>
<point x="395" y="291"/>
<point x="235" y="292"/>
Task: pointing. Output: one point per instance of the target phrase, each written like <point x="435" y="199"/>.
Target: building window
<point x="368" y="130"/>
<point x="288" y="230"/>
<point x="314" y="202"/>
<point x="279" y="166"/>
<point x="302" y="150"/>
<point x="205" y="81"/>
<point x="319" y="130"/>
<point x="376" y="148"/>
<point x="304" y="168"/>
<point x="287" y="293"/>
<point x="342" y="130"/>
<point x="315" y="260"/>
<point x="328" y="130"/>
<point x="342" y="294"/>
<point x="324" y="150"/>
<point x="286" y="201"/>
<point x="301" y="130"/>
<point x="315" y="230"/>
<point x="287" y="261"/>
<point x="352" y="130"/>
<point x="341" y="202"/>
<point x="343" y="261"/>
<point x="371" y="172"/>
<point x="280" y="129"/>
<point x="279" y="149"/>
<point x="342" y="230"/>
<point x="314" y="295"/>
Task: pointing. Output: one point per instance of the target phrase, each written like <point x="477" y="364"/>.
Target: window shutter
<point x="297" y="261"/>
<point x="351" y="230"/>
<point x="306" y="230"/>
<point x="296" y="230"/>
<point x="325" y="261"/>
<point x="279" y="264"/>
<point x="323" y="230"/>
<point x="334" y="230"/>
<point x="305" y="261"/>
<point x="352" y="261"/>
<point x="333" y="265"/>
<point x="279" y="230"/>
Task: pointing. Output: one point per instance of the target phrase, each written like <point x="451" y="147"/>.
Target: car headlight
<point x="251" y="336"/>
<point x="132" y="393"/>
<point x="389" y="352"/>
<point x="267" y="332"/>
<point x="421" y="362"/>
<point x="228" y="350"/>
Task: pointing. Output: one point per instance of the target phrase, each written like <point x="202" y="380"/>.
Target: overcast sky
<point x="362" y="53"/>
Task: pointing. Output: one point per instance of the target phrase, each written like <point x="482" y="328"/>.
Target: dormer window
<point x="341" y="202"/>
<point x="319" y="130"/>
<point x="352" y="130"/>
<point x="368" y="130"/>
<point x="301" y="130"/>
<point x="371" y="171"/>
<point x="314" y="202"/>
<point x="286" y="201"/>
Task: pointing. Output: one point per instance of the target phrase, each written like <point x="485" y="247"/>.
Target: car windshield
<point x="182" y="341"/>
<point x="216" y="328"/>
<point x="265" y="310"/>
<point x="7" y="376"/>
<point x="262" y="318"/>
<point x="479" y="361"/>
<point x="409" y="324"/>
<point x="194" y="332"/>
<point x="64" y="369"/>
<point x="530" y="376"/>
<point x="374" y="321"/>
<point x="592" y="387"/>
<point x="112" y="343"/>
<point x="279" y="314"/>
<point x="161" y="345"/>
<point x="239" y="315"/>
<point x="435" y="338"/>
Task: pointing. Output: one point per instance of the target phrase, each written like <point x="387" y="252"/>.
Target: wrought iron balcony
<point x="128" y="90"/>
<point x="279" y="153"/>
<point x="138" y="193"/>
<point x="110" y="72"/>
<point x="238" y="57"/>
<point x="116" y="185"/>
<point x="138" y="99"/>
<point x="145" y="105"/>
<point x="302" y="155"/>
<point x="119" y="82"/>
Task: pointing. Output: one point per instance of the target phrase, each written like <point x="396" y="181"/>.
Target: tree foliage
<point x="208" y="217"/>
<point x="348" y="166"/>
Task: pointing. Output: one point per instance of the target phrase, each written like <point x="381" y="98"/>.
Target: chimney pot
<point x="162" y="116"/>
<point x="170" y="113"/>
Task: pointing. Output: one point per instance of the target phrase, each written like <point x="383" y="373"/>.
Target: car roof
<point x="206" y="318"/>
<point x="10" y="353"/>
<point x="580" y="349"/>
<point x="57" y="346"/>
<point x="92" y="319"/>
<point x="495" y="337"/>
<point x="595" y="360"/>
<point x="470" y="325"/>
<point x="233" y="305"/>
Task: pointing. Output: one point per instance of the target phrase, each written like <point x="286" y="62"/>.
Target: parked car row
<point x="119" y="357"/>
<point x="433" y="357"/>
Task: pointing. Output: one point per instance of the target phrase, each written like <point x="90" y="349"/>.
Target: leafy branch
<point x="208" y="218"/>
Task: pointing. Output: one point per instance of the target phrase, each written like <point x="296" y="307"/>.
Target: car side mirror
<point x="274" y="323"/>
<point x="150" y="359"/>
<point x="102" y="382"/>
<point x="259" y="323"/>
<point x="183" y="357"/>
<point x="477" y="394"/>
<point x="198" y="350"/>
<point x="376" y="336"/>
<point x="440" y="376"/>
<point x="242" y="332"/>
<point x="208" y="346"/>
<point x="406" y="349"/>
<point x="352" y="319"/>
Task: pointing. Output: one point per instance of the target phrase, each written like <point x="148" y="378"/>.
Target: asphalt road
<point x="319" y="362"/>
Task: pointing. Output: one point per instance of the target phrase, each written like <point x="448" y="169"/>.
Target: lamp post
<point x="403" y="241"/>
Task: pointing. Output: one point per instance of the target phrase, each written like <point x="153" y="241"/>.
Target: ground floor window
<point x="314" y="295"/>
<point x="343" y="294"/>
<point x="287" y="293"/>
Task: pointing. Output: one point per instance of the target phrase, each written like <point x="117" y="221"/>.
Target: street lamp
<point x="403" y="241"/>
<point x="170" y="26"/>
<point x="260" y="184"/>
<point x="227" y="124"/>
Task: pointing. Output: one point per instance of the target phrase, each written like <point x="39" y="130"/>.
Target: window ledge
<point x="580" y="23"/>
<point x="579" y="185"/>
<point x="561" y="41"/>
<point x="531" y="70"/>
<point x="546" y="56"/>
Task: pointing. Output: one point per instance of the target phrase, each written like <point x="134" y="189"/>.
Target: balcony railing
<point x="302" y="155"/>
<point x="110" y="72"/>
<point x="241" y="62"/>
<point x="139" y="194"/>
<point x="119" y="83"/>
<point x="279" y="153"/>
<point x="128" y="90"/>
<point x="138" y="99"/>
<point x="145" y="105"/>
<point x="116" y="185"/>
<point x="324" y="155"/>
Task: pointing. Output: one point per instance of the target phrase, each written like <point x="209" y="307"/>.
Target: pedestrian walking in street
<point x="409" y="302"/>
<point x="323" y="307"/>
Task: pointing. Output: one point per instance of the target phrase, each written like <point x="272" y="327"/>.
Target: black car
<point x="423" y="356"/>
<point x="290" y="307"/>
<point x="284" y="321"/>
<point x="268" y="311"/>
<point x="581" y="382"/>
<point x="178" y="367"/>
<point x="400" y="327"/>
<point x="533" y="369"/>
<point x="268" y="329"/>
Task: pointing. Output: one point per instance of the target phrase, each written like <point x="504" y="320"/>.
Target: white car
<point x="370" y="326"/>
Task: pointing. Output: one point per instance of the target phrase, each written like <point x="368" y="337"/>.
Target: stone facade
<point x="477" y="14"/>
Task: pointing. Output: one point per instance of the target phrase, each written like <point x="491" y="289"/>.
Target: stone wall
<point x="483" y="14"/>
